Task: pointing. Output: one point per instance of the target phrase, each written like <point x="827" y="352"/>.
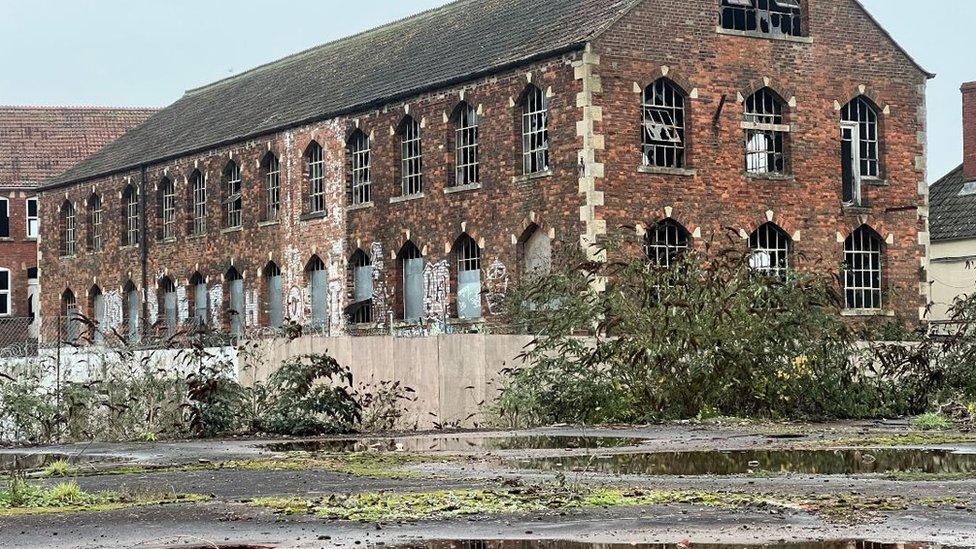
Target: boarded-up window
<point x="412" y="263"/>
<point x="469" y="278"/>
<point x="272" y="279"/>
<point x="537" y="252"/>
<point x="236" y="304"/>
<point x="99" y="310"/>
<point x="318" y="290"/>
<point x="200" y="299"/>
<point x="169" y="306"/>
<point x="132" y="311"/>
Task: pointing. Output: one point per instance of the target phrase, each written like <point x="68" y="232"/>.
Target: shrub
<point x="310" y="395"/>
<point x="932" y="422"/>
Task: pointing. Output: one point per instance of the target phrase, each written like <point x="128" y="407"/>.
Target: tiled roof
<point x="38" y="143"/>
<point x="951" y="216"/>
<point x="453" y="43"/>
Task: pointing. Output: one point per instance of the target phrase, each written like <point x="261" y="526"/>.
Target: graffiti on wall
<point x="251" y="308"/>
<point x="437" y="289"/>
<point x="114" y="315"/>
<point x="295" y="306"/>
<point x="496" y="286"/>
<point x="152" y="306"/>
<point x="182" y="304"/>
<point x="381" y="298"/>
<point x="216" y="303"/>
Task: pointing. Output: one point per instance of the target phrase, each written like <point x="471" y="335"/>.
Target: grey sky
<point x="147" y="52"/>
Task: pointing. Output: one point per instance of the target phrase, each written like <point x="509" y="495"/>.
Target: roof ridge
<point x="290" y="57"/>
<point x="76" y="108"/>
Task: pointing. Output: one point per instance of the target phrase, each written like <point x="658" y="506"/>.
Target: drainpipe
<point x="144" y="250"/>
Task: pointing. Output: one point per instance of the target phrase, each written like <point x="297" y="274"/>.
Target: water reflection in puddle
<point x="455" y="444"/>
<point x="819" y="462"/>
<point x="25" y="461"/>
<point x="526" y="544"/>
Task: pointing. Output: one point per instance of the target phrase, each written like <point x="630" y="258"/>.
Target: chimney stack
<point x="969" y="131"/>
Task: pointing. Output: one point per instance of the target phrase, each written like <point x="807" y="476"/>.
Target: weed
<point x="932" y="422"/>
<point x="59" y="468"/>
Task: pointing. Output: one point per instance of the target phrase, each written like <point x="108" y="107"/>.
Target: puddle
<point x="455" y="444"/>
<point x="814" y="462"/>
<point x="525" y="544"/>
<point x="25" y="461"/>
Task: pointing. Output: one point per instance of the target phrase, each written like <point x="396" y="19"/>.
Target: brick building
<point x="37" y="143"/>
<point x="414" y="171"/>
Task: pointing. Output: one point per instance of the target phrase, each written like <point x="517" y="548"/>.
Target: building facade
<point x="341" y="188"/>
<point x="37" y="143"/>
<point x="953" y="249"/>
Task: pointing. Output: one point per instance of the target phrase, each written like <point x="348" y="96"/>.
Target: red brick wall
<point x="17" y="252"/>
<point x="969" y="130"/>
<point x="845" y="51"/>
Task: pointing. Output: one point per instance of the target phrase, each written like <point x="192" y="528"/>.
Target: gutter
<point x="144" y="250"/>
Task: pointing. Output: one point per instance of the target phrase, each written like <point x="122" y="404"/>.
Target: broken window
<point x="97" y="301"/>
<point x="130" y="213"/>
<point x="536" y="253"/>
<point x="362" y="284"/>
<point x="33" y="218"/>
<point x="766" y="133"/>
<point x="411" y="158"/>
<point x="860" y="157"/>
<point x="665" y="242"/>
<point x="318" y="291"/>
<point x="535" y="131"/>
<point x="201" y="297"/>
<point x="863" y="269"/>
<point x="769" y="248"/>
<point x="466" y="168"/>
<point x="273" y="289"/>
<point x="67" y="229"/>
<point x="469" y="278"/>
<point x="132" y="311"/>
<point x="663" y="129"/>
<point x="412" y="265"/>
<point x="359" y="168"/>
<point x="167" y="208"/>
<point x="771" y="17"/>
<point x="168" y="289"/>
<point x="69" y="317"/>
<point x="4" y="218"/>
<point x="5" y="304"/>
<point x="95" y="240"/>
<point x="272" y="187"/>
<point x="315" y="170"/>
<point x="232" y="196"/>
<point x="235" y="304"/>
<point x="198" y="201"/>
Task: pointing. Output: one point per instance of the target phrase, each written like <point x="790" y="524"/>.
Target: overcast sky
<point x="147" y="52"/>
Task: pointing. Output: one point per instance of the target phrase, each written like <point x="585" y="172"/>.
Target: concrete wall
<point x="453" y="375"/>
<point x="952" y="273"/>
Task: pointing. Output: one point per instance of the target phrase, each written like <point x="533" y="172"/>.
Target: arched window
<point x="69" y="317"/>
<point x="412" y="266"/>
<point x="232" y="199"/>
<point x="67" y="229"/>
<point x="773" y="17"/>
<point x="6" y="306"/>
<point x="201" y="298"/>
<point x="362" y="288"/>
<point x="132" y="310"/>
<point x="663" y="131"/>
<point x="468" y="255"/>
<point x="318" y="291"/>
<point x="170" y="311"/>
<point x="167" y="209"/>
<point x="665" y="242"/>
<point x="411" y="157"/>
<point x="863" y="270"/>
<point x="4" y="218"/>
<point x="769" y="248"/>
<point x="536" y="252"/>
<point x="198" y="204"/>
<point x="466" y="168"/>
<point x="272" y="186"/>
<point x="95" y="239"/>
<point x="315" y="172"/>
<point x="359" y="168"/>
<point x="273" y="294"/>
<point x="130" y="213"/>
<point x="235" y="302"/>
<point x="860" y="156"/>
<point x="97" y="303"/>
<point x="766" y="133"/>
<point x="535" y="131"/>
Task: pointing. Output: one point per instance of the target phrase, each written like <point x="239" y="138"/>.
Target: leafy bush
<point x="311" y="395"/>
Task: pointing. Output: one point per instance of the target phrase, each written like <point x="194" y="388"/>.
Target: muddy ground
<point x="457" y="461"/>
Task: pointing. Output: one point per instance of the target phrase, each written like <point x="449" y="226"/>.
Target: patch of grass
<point x="932" y="422"/>
<point x="929" y="438"/>
<point x="375" y="465"/>
<point x="59" y="468"/>
<point x="22" y="498"/>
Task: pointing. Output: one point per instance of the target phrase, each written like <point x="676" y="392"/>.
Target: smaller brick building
<point x="37" y="143"/>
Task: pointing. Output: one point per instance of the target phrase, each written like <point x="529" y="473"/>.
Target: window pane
<point x="413" y="288"/>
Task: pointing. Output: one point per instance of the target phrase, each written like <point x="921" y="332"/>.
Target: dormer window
<point x="770" y="17"/>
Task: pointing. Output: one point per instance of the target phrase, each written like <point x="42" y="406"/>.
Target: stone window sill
<point x="659" y="170"/>
<point x="313" y="216"/>
<point x="764" y="36"/>
<point x="363" y="206"/>
<point x="853" y="313"/>
<point x="128" y="248"/>
<point x="170" y="240"/>
<point x="271" y="223"/>
<point x="230" y="230"/>
<point x="532" y="176"/>
<point x="6" y="239"/>
<point x="407" y="198"/>
<point x="67" y="257"/>
<point x="877" y="182"/>
<point x="462" y="188"/>
<point x="196" y="237"/>
<point x="856" y="209"/>
<point x="770" y="177"/>
<point x="30" y="239"/>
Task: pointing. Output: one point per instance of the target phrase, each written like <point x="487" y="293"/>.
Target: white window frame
<point x="535" y="132"/>
<point x="663" y="128"/>
<point x="315" y="167"/>
<point x="466" y="147"/>
<point x="68" y="228"/>
<point x="411" y="158"/>
<point x="95" y="222"/>
<point x="863" y="266"/>
<point x="359" y="168"/>
<point x="169" y="209"/>
<point x="33" y="227"/>
<point x="272" y="187"/>
<point x="233" y="202"/>
<point x="850" y="131"/>
<point x="6" y="293"/>
<point x="199" y="190"/>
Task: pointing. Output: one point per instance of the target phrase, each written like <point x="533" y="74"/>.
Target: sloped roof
<point x="951" y="216"/>
<point x="453" y="43"/>
<point x="38" y="143"/>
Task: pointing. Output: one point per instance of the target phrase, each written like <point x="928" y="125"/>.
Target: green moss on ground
<point x="22" y="498"/>
<point x="916" y="438"/>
